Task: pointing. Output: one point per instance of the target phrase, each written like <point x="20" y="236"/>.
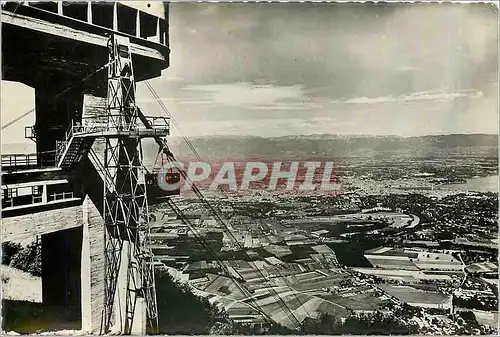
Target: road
<point x="414" y="222"/>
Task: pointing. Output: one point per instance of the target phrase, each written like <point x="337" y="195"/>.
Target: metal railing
<point x="35" y="199"/>
<point x="62" y="144"/>
<point x="109" y="124"/>
<point x="117" y="123"/>
<point x="60" y="196"/>
<point x="112" y="123"/>
<point x="13" y="198"/>
<point x="60" y="147"/>
<point x="16" y="160"/>
<point x="156" y="35"/>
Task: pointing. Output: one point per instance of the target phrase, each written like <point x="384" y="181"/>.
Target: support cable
<point x="214" y="211"/>
<point x="221" y="264"/>
<point x="56" y="96"/>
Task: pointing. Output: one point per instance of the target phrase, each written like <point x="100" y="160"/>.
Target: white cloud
<point x="405" y="68"/>
<point x="249" y="95"/>
<point x="432" y="96"/>
<point x="174" y="78"/>
<point x="288" y="69"/>
<point x="267" y="127"/>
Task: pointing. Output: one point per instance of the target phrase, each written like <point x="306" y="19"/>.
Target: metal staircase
<point x="72" y="150"/>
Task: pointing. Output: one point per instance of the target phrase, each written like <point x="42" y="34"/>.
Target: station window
<point x="127" y="19"/>
<point x="50" y="6"/>
<point x="75" y="10"/>
<point x="12" y="193"/>
<point x="148" y="25"/>
<point x="163" y="32"/>
<point x="102" y="14"/>
<point x="36" y="190"/>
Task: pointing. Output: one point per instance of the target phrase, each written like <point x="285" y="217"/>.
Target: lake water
<point x="480" y="184"/>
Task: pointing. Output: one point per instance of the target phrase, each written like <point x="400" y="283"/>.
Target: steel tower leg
<point x="125" y="202"/>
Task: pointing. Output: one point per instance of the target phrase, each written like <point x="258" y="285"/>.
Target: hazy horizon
<point x="11" y="148"/>
<point x="337" y="135"/>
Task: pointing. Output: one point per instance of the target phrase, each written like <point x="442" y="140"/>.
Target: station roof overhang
<point x="43" y="43"/>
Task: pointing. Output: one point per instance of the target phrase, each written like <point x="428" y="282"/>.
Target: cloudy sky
<point x="280" y="69"/>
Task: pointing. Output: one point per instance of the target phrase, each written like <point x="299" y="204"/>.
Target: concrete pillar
<point x="89" y="11"/>
<point x="140" y="319"/>
<point x="92" y="271"/>
<point x="138" y="24"/>
<point x="44" y="194"/>
<point x="157" y="36"/>
<point x="115" y="16"/>
<point x="93" y="279"/>
<point x="120" y="295"/>
<point x="139" y="323"/>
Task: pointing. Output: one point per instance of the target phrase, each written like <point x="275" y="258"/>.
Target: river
<point x="479" y="184"/>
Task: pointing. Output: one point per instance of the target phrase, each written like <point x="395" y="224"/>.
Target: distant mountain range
<point x="326" y="146"/>
<point x="318" y="146"/>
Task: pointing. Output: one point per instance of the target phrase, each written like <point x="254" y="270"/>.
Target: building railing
<point x="25" y="161"/>
<point x="13" y="199"/>
<point x="19" y="160"/>
<point x="33" y="199"/>
<point x="60" y="196"/>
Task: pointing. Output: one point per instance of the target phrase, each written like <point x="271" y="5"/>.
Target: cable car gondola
<point x="163" y="182"/>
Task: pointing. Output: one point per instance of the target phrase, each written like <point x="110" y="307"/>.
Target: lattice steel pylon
<point x="125" y="204"/>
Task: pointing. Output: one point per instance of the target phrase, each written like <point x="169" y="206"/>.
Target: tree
<point x="182" y="312"/>
<point x="324" y="325"/>
<point x="9" y="249"/>
<point x="220" y="328"/>
<point x="28" y="259"/>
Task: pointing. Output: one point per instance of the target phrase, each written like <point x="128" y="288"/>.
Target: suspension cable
<point x="213" y="254"/>
<point x="213" y="210"/>
<point x="17" y="118"/>
<point x="207" y="247"/>
<point x="165" y="109"/>
<point x="56" y="96"/>
<point x="221" y="222"/>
